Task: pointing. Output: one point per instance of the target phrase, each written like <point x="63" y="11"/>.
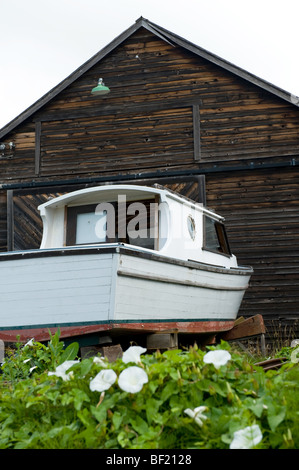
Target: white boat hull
<point x="85" y="290"/>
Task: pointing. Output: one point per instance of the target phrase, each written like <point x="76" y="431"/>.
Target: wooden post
<point x="162" y="341"/>
<point x="10" y="220"/>
<point x="196" y="132"/>
<point x="263" y="344"/>
<point x="37" y="146"/>
<point x="202" y="198"/>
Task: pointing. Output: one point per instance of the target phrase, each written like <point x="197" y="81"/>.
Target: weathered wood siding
<point x="262" y="219"/>
<point x="86" y="145"/>
<point x="18" y="164"/>
<point x="170" y="112"/>
<point x="27" y="223"/>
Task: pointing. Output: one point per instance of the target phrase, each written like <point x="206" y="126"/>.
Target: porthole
<point x="191" y="227"/>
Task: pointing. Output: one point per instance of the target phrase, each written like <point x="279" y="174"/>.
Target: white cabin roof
<point x="99" y="194"/>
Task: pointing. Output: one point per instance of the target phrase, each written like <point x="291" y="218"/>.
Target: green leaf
<point x="275" y="419"/>
<point x="85" y="366"/>
<point x="123" y="439"/>
<point x="85" y="417"/>
<point x="70" y="353"/>
<point x="99" y="412"/>
<point x="79" y="397"/>
<point x="139" y="424"/>
<point x="170" y="389"/>
<point x="257" y="407"/>
<point x="152" y="407"/>
<point x="117" y="420"/>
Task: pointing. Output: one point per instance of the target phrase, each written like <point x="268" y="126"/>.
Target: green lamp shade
<point x="100" y="89"/>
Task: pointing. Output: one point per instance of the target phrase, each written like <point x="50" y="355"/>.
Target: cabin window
<point x="88" y="228"/>
<point x="215" y="238"/>
<point x="134" y="222"/>
<point x="83" y="226"/>
<point x="142" y="224"/>
<point x="191" y="227"/>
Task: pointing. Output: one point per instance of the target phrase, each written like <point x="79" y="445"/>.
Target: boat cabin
<point x="150" y="218"/>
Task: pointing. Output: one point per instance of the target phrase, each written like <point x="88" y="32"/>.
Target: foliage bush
<point x="185" y="401"/>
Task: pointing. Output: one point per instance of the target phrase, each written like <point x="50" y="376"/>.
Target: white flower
<point x="133" y="354"/>
<point x="197" y="414"/>
<point x="131" y="380"/>
<point x="29" y="343"/>
<point x="103" y="380"/>
<point x="27" y="360"/>
<point x="246" y="438"/>
<point x="61" y="370"/>
<point x="218" y="358"/>
<point x="294" y="356"/>
<point x="100" y="361"/>
<point x="32" y="368"/>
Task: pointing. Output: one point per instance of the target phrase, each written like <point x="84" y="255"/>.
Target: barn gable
<point x="172" y="105"/>
<point x="167" y="37"/>
<point x="175" y="113"/>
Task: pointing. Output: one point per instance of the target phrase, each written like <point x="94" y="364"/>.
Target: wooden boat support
<point x="247" y="328"/>
<point x="93" y="341"/>
<point x="252" y="327"/>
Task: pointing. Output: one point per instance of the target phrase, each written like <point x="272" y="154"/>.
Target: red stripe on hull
<point x="42" y="334"/>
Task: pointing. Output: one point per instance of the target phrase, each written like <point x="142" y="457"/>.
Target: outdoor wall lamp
<point x="100" y="89"/>
<point x="10" y="145"/>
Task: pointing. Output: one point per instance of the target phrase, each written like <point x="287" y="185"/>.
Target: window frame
<point x="72" y="213"/>
<point x="220" y="232"/>
<point x="71" y="223"/>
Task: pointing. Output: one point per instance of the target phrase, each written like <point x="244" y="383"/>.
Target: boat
<point x="122" y="260"/>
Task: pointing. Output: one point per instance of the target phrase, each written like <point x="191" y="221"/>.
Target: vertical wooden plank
<point x="196" y="132"/>
<point x="10" y="221"/>
<point x="37" y="146"/>
<point x="202" y="189"/>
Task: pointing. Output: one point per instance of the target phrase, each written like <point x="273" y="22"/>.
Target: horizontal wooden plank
<point x="252" y="326"/>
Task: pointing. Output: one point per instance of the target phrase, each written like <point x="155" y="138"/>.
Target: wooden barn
<point x="176" y="115"/>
